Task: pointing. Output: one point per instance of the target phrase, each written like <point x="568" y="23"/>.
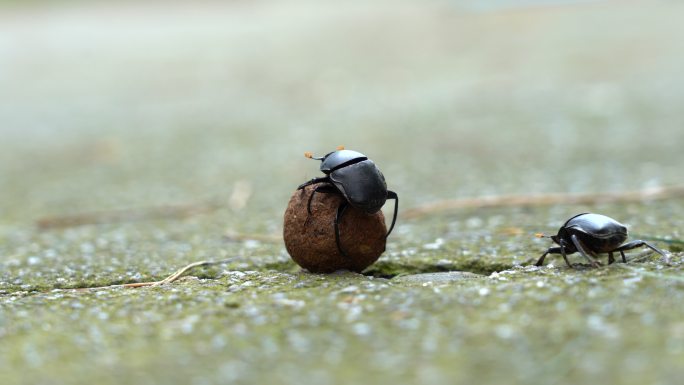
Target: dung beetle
<point x="355" y="177"/>
<point x="591" y="234"/>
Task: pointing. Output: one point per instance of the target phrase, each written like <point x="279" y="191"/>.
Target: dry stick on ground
<point x="658" y="193"/>
<point x="148" y="213"/>
<point x="171" y="278"/>
<point x="126" y="215"/>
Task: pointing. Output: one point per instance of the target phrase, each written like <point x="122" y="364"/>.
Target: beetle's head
<point x="554" y="238"/>
<point x="310" y="155"/>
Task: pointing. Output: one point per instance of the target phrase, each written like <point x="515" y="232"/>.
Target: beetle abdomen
<point x="595" y="224"/>
<point x="598" y="232"/>
<point x="362" y="184"/>
<point x="600" y="243"/>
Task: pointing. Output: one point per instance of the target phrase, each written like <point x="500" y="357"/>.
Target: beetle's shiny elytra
<point x="357" y="179"/>
<point x="592" y="234"/>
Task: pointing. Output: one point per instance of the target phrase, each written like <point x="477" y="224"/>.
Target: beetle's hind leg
<point x="637" y="243"/>
<point x="340" y="212"/>
<point x="393" y="195"/>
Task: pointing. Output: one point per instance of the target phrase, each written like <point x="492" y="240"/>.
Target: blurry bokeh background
<point x="110" y="104"/>
<point x="135" y="105"/>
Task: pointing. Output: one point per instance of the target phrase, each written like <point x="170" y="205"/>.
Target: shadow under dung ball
<point x="310" y="239"/>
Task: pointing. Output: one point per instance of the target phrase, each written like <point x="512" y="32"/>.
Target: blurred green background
<point x="135" y="105"/>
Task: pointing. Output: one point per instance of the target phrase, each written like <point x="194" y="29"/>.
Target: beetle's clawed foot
<point x="666" y="258"/>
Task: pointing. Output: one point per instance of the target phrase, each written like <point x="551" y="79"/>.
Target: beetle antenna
<point x="541" y="235"/>
<point x="309" y="155"/>
<point x="340" y="148"/>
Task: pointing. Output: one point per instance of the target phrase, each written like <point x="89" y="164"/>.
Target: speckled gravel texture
<point x="175" y="134"/>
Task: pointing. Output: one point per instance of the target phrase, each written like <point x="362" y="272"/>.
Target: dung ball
<point x="310" y="238"/>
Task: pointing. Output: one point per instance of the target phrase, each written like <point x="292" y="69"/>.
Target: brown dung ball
<point x="310" y="239"/>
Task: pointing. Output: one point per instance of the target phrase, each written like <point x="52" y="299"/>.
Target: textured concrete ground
<point x="137" y="138"/>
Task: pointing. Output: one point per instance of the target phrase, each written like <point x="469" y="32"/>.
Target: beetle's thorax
<point x="341" y="158"/>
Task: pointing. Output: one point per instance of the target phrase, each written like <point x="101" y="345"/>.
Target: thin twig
<point x="651" y="194"/>
<point x="171" y="278"/>
<point x="182" y="271"/>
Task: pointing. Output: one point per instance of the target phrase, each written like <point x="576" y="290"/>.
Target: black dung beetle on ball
<point x="357" y="179"/>
<point x="591" y="234"/>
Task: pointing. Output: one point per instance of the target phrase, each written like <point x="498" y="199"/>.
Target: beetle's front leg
<point x="314" y="181"/>
<point x="551" y="250"/>
<point x="324" y="188"/>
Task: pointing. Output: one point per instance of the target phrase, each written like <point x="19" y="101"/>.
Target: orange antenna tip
<point x="308" y="154"/>
<point x="539" y="235"/>
<point x="340" y="148"/>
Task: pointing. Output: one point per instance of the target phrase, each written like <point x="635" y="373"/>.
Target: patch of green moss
<point x="283" y="266"/>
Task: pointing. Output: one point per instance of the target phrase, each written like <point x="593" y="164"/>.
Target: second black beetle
<point x="357" y="179"/>
<point x="591" y="234"/>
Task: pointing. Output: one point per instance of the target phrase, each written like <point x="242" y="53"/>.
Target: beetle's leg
<point x="313" y="181"/>
<point x="338" y="217"/>
<point x="324" y="188"/>
<point x="540" y="261"/>
<point x="635" y="244"/>
<point x="551" y="250"/>
<point x="580" y="247"/>
<point x="624" y="260"/>
<point x="564" y="254"/>
<point x="393" y="195"/>
<point x="610" y="258"/>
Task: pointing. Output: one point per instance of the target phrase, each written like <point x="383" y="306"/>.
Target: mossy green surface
<point x="622" y="323"/>
<point x="210" y="108"/>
